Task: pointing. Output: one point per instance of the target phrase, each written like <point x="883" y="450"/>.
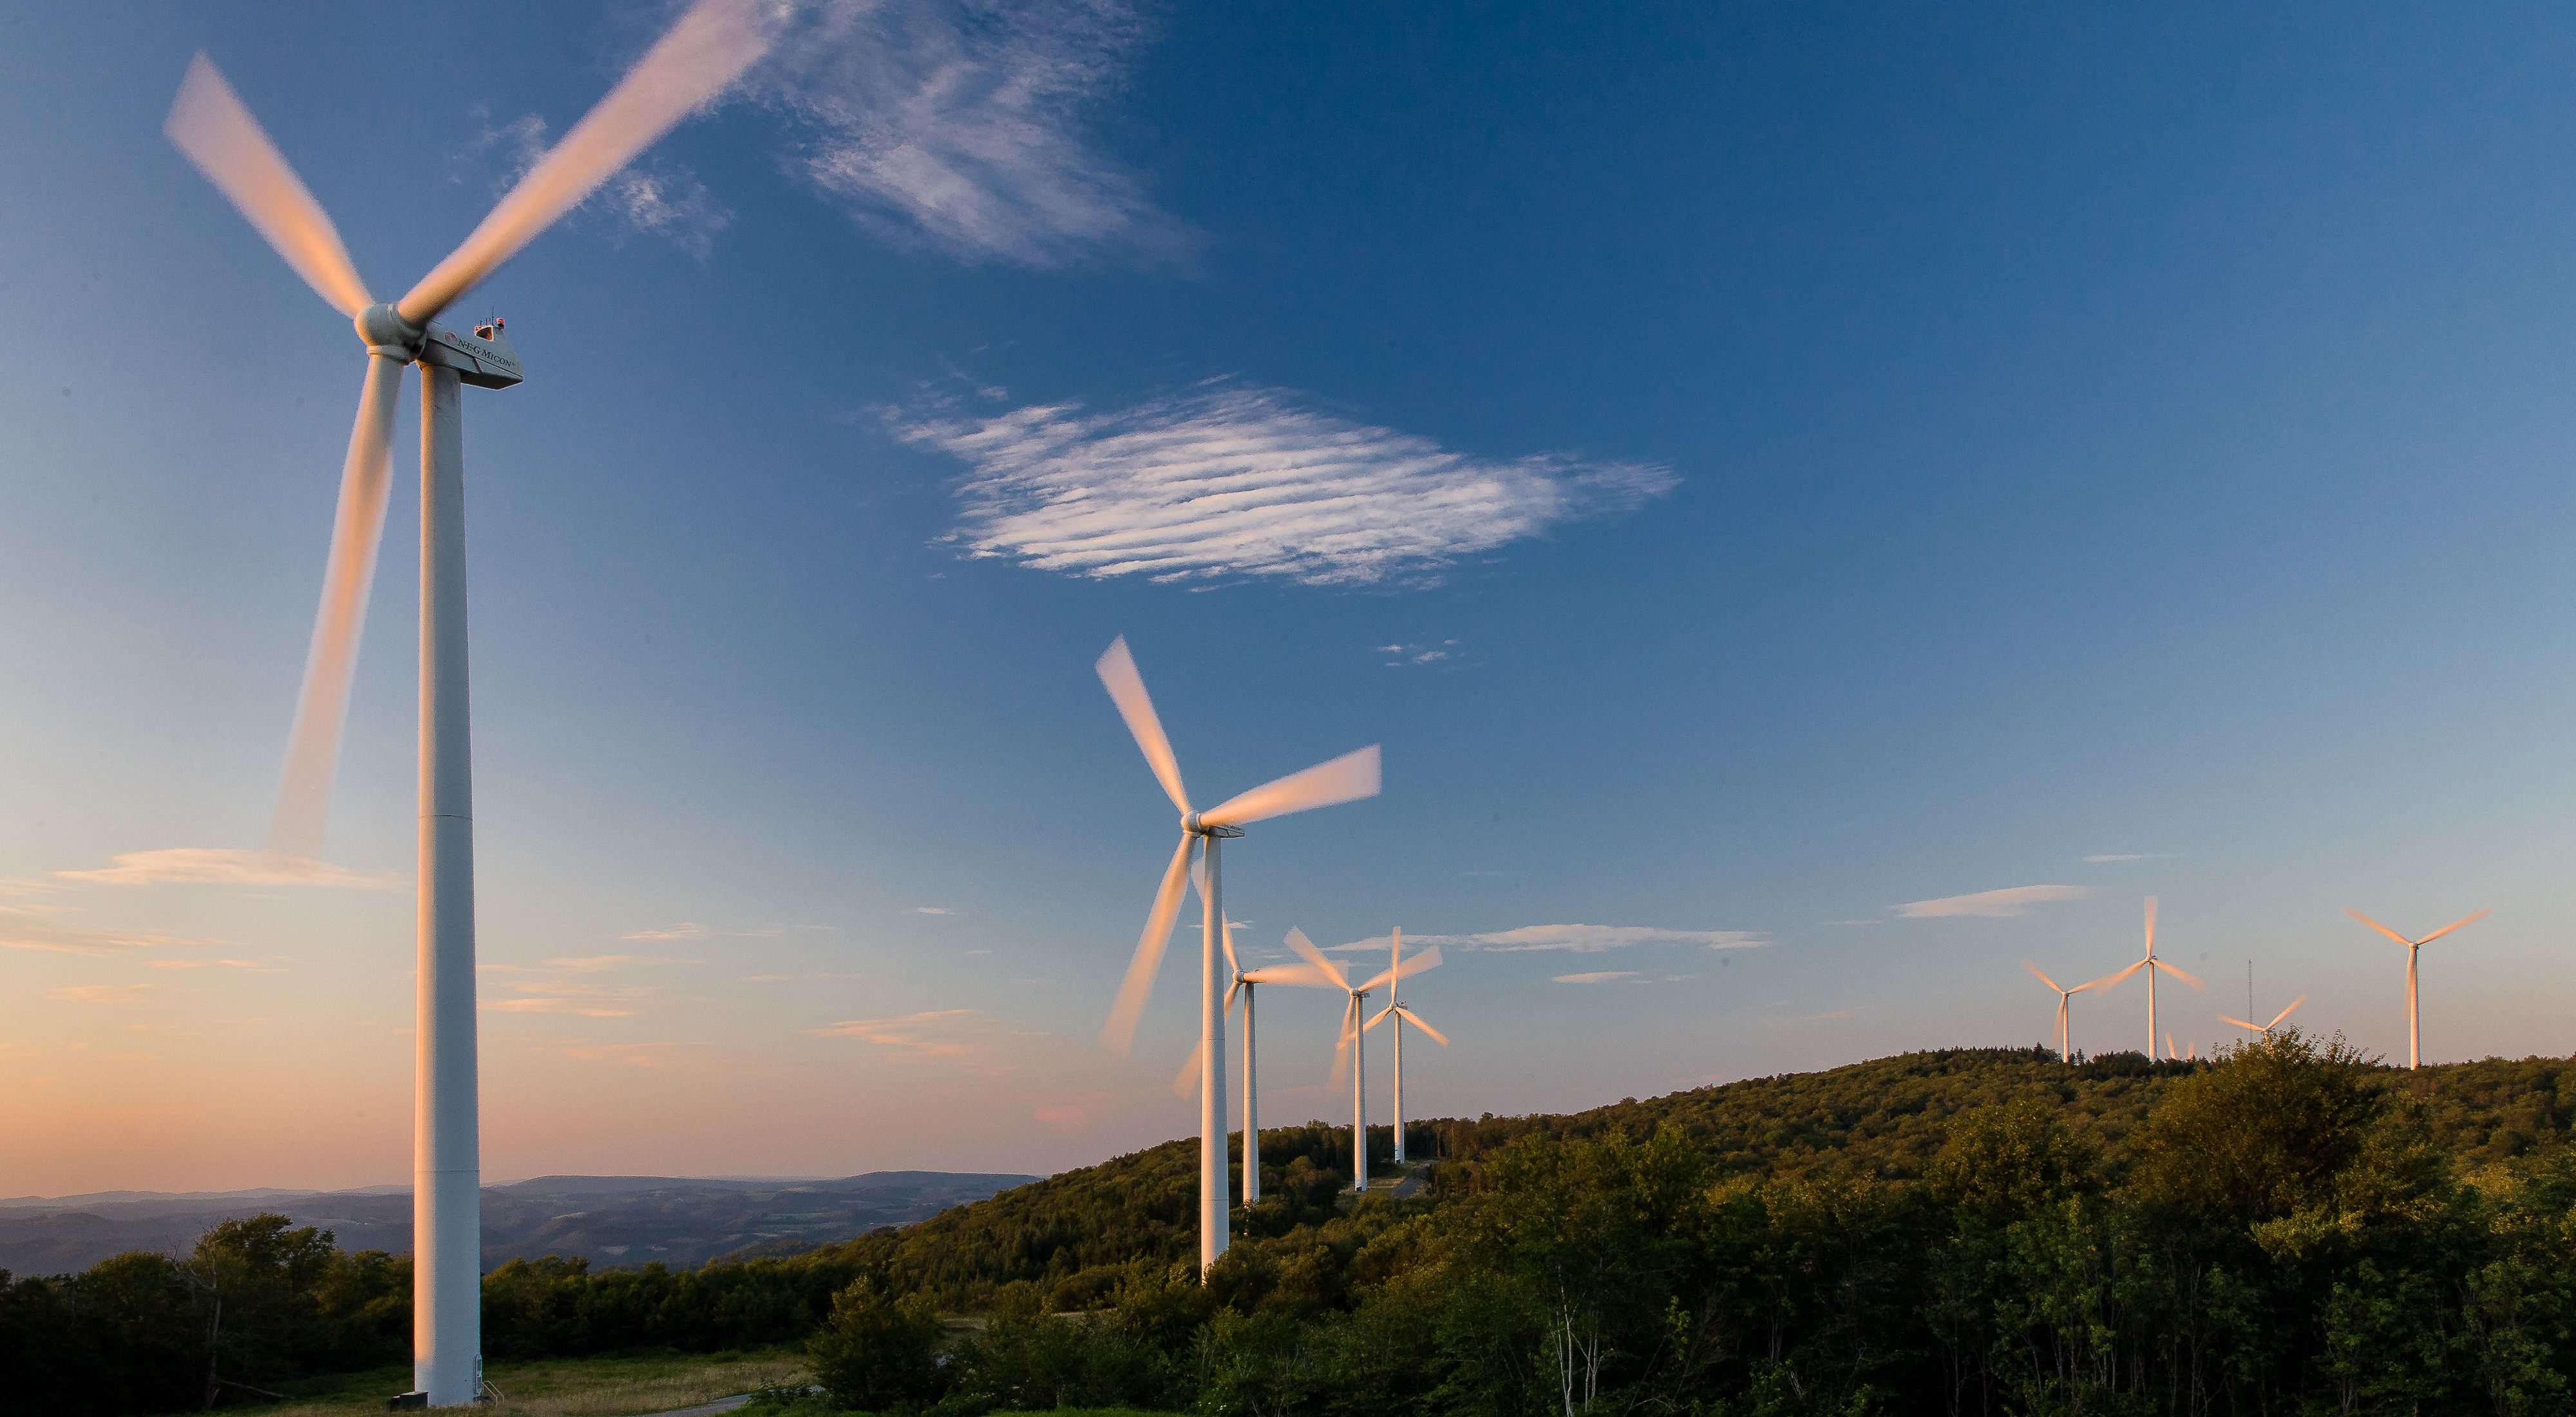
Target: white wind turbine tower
<point x="1395" y="1016"/>
<point x="2151" y="965"/>
<point x="2414" y="1049"/>
<point x="2065" y="1026"/>
<point x="1344" y="779"/>
<point x="2265" y="1029"/>
<point x="706" y="50"/>
<point x="1350" y="1050"/>
<point x="1245" y="982"/>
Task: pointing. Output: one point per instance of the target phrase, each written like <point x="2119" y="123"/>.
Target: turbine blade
<point x="2469" y="919"/>
<point x="331" y="661"/>
<point x="1188" y="1078"/>
<point x="1117" y="669"/>
<point x="2151" y="925"/>
<point x="2375" y="925"/>
<point x="708" y="49"/>
<point x="2178" y="972"/>
<point x="2171" y="1052"/>
<point x="1427" y="960"/>
<point x="2108" y="981"/>
<point x="1306" y="948"/>
<point x="1341" y="1054"/>
<point x="1345" y="779"/>
<point x="1380" y="1017"/>
<point x="2285" y="1013"/>
<point x="2248" y="1027"/>
<point x="1301" y="975"/>
<point x="1233" y="989"/>
<point x="1416" y="1020"/>
<point x="209" y="124"/>
<point x="1120" y="1031"/>
<point x="2042" y="978"/>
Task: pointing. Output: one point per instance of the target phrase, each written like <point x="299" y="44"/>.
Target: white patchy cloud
<point x="253" y="965"/>
<point x="223" y="866"/>
<point x="2012" y="900"/>
<point x="1598" y="976"/>
<point x="932" y="910"/>
<point x="1226" y="481"/>
<point x="1573" y="939"/>
<point x="956" y="125"/>
<point x="1409" y="656"/>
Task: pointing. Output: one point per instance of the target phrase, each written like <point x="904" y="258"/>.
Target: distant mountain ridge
<point x="608" y="1220"/>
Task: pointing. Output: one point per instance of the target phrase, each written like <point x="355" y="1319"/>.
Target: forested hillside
<point x="2288" y="1229"/>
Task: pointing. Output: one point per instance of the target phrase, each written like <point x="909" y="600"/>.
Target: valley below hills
<point x="608" y="1220"/>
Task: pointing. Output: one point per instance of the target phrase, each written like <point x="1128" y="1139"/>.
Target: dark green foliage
<point x="556" y="1307"/>
<point x="878" y="1353"/>
<point x="2287" y="1230"/>
<point x="256" y="1304"/>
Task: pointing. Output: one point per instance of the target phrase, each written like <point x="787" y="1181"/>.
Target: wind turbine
<point x="2265" y="1029"/>
<point x="1395" y="1015"/>
<point x="2151" y="965"/>
<point x="1344" y="779"/>
<point x="2065" y="1027"/>
<point x="706" y="50"/>
<point x="1350" y="1049"/>
<point x="1245" y="981"/>
<point x="2414" y="1052"/>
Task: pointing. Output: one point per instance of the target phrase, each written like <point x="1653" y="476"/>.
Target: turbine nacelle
<point x="1191" y="825"/>
<point x="483" y="358"/>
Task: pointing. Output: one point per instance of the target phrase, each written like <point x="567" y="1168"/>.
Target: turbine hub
<point x="383" y="327"/>
<point x="1190" y="823"/>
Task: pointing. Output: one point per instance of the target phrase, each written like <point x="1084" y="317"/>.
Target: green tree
<point x="878" y="1353"/>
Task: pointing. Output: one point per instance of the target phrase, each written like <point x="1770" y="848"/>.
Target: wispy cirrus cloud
<point x="1226" y="481"/>
<point x="936" y="1033"/>
<point x="594" y="964"/>
<point x="669" y="1057"/>
<point x="652" y="196"/>
<point x="42" y="928"/>
<point x="1598" y="976"/>
<point x="957" y="125"/>
<point x="570" y="986"/>
<point x="101" y="993"/>
<point x="224" y="866"/>
<point x="1573" y="939"/>
<point x="253" y="965"/>
<point x="585" y="1003"/>
<point x="2011" y="900"/>
<point x="692" y="930"/>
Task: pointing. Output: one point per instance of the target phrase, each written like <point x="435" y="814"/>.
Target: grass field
<point x="564" y="1387"/>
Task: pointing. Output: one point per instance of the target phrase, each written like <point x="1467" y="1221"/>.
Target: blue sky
<point x="1804" y="462"/>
